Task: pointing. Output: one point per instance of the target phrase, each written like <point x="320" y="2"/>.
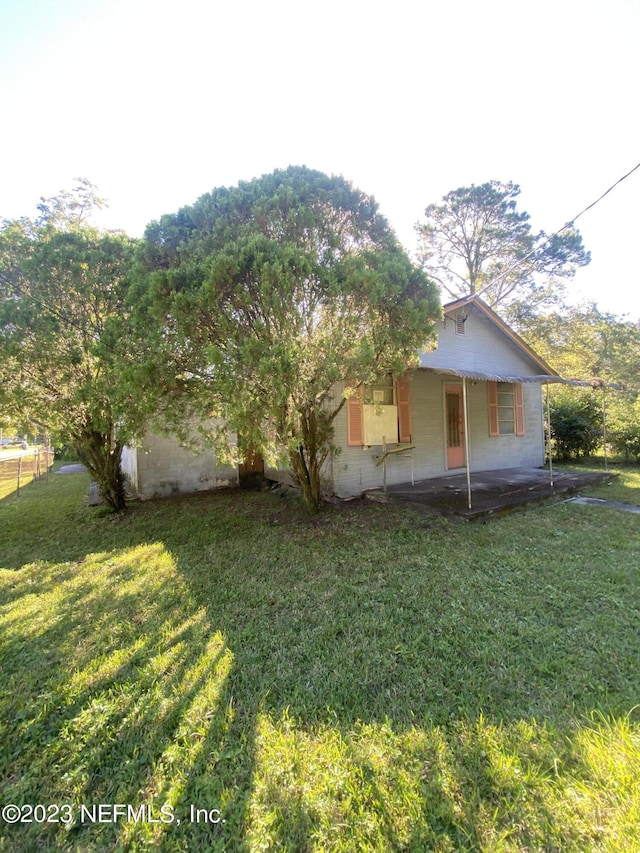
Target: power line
<point x="568" y="224"/>
<point x="593" y="203"/>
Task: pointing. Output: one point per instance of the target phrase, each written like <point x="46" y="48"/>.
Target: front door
<point x="454" y="413"/>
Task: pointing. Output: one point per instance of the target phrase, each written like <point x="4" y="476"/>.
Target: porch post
<point x="384" y="464"/>
<point x="549" y="437"/>
<point x="604" y="428"/>
<point x="466" y="438"/>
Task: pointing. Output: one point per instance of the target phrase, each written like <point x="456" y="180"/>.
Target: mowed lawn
<point x="226" y="672"/>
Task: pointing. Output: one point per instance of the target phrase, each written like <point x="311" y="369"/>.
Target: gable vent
<point x="460" y="324"/>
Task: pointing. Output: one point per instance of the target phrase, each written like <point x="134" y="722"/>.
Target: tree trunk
<point x="101" y="456"/>
<point x="307" y="459"/>
<point x="306" y="473"/>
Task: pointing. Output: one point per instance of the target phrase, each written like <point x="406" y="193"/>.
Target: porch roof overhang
<point x="541" y="379"/>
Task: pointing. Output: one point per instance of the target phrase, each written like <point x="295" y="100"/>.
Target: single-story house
<point x="476" y="398"/>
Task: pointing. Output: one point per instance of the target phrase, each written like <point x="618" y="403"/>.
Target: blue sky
<point x="157" y="103"/>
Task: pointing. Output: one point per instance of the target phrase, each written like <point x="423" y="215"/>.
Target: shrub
<point x="626" y="440"/>
<point x="576" y="426"/>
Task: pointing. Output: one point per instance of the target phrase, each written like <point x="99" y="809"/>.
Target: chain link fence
<point x="18" y="469"/>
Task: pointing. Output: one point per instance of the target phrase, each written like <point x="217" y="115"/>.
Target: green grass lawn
<point x="625" y="487"/>
<point x="371" y="678"/>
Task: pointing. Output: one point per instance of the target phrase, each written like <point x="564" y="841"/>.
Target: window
<point x="506" y="408"/>
<point x="380" y="394"/>
<point x="380" y="412"/>
<point x="506" y="411"/>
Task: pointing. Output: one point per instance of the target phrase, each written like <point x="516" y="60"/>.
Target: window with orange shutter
<point x="370" y="409"/>
<point x="506" y="409"/>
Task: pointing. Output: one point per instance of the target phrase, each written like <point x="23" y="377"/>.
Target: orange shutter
<point x="517" y="396"/>
<point x="403" y="400"/>
<point x="492" y="389"/>
<point x="355" y="420"/>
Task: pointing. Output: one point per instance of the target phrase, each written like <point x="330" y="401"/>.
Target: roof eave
<point x="540" y="379"/>
<point x="514" y="337"/>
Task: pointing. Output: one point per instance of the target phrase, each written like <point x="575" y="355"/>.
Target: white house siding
<point x="129" y="467"/>
<point x="355" y="468"/>
<point x="487" y="453"/>
<point x="161" y="466"/>
<point x="482" y="348"/>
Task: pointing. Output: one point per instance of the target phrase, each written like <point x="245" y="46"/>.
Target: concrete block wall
<point x="161" y="466"/>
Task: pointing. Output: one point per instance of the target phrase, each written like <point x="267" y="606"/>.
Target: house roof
<point x="489" y="314"/>
<point x="547" y="374"/>
<point x="542" y="379"/>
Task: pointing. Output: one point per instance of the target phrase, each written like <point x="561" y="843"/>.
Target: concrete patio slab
<point x="492" y="492"/>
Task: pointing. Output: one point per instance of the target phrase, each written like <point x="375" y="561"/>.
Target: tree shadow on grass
<point x="466" y="692"/>
<point x="325" y="683"/>
<point x="517" y="786"/>
<point x="115" y="691"/>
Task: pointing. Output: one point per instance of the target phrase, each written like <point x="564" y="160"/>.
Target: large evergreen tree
<point x="269" y="295"/>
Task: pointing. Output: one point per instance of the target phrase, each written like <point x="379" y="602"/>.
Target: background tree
<point x="62" y="298"/>
<point x="624" y="431"/>
<point x="584" y="343"/>
<point x="269" y="294"/>
<point x="476" y="241"/>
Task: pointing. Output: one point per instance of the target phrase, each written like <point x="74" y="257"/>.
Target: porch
<point x="490" y="492"/>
